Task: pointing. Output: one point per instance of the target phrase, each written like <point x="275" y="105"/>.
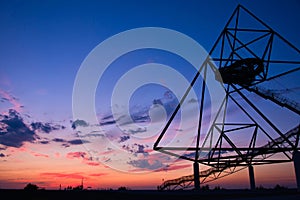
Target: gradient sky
<point x="43" y="44"/>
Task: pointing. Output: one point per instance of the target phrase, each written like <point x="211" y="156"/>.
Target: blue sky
<point x="43" y="44"/>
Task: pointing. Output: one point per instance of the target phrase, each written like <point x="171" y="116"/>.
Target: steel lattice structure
<point x="243" y="58"/>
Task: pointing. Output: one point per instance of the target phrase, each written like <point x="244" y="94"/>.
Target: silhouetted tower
<point x="242" y="59"/>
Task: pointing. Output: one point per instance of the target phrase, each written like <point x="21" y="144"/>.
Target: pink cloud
<point x="174" y="167"/>
<point x="98" y="174"/>
<point x="57" y="155"/>
<point x="12" y="100"/>
<point x="63" y="175"/>
<point x="84" y="156"/>
<point x="16" y="150"/>
<point x="93" y="163"/>
<point x="77" y="154"/>
<point x="40" y="155"/>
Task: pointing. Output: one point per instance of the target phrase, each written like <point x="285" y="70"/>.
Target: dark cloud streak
<point x="79" y="122"/>
<point x="45" y="127"/>
<point x="15" y="132"/>
<point x="124" y="138"/>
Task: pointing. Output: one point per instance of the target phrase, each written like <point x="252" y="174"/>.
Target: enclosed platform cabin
<point x="243" y="72"/>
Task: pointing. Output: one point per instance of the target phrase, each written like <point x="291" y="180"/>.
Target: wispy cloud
<point x="79" y="122"/>
<point x="39" y="155"/>
<point x="77" y="154"/>
<point x="65" y="143"/>
<point x="46" y="127"/>
<point x="174" y="167"/>
<point x="146" y="164"/>
<point x="138" y="130"/>
<point x="136" y="149"/>
<point x="7" y="97"/>
<point x="140" y="114"/>
<point x="92" y="163"/>
<point x="98" y="174"/>
<point x="44" y="142"/>
<point x="107" y="120"/>
<point x="77" y="142"/>
<point x="63" y="175"/>
<point x="75" y="175"/>
<point x="152" y="162"/>
<point x="124" y="138"/>
<point x="86" y="159"/>
<point x="58" y="140"/>
<point x="92" y="134"/>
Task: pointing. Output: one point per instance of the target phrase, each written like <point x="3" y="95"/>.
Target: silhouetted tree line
<point x="122" y="188"/>
<point x="276" y="187"/>
<point x="32" y="187"/>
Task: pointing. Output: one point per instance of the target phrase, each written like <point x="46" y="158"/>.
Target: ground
<point x="290" y="194"/>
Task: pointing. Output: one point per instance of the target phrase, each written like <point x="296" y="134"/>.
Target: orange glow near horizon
<point x="51" y="171"/>
<point x="87" y="90"/>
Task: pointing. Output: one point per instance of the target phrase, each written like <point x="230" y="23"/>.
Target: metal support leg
<point x="196" y="176"/>
<point x="296" y="159"/>
<point x="251" y="177"/>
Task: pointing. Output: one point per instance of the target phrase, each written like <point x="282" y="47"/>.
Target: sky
<point x="45" y="44"/>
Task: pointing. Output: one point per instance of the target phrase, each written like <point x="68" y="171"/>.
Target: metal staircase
<point x="215" y="172"/>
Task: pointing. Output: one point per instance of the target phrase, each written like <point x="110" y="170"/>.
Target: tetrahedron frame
<point x="237" y="42"/>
